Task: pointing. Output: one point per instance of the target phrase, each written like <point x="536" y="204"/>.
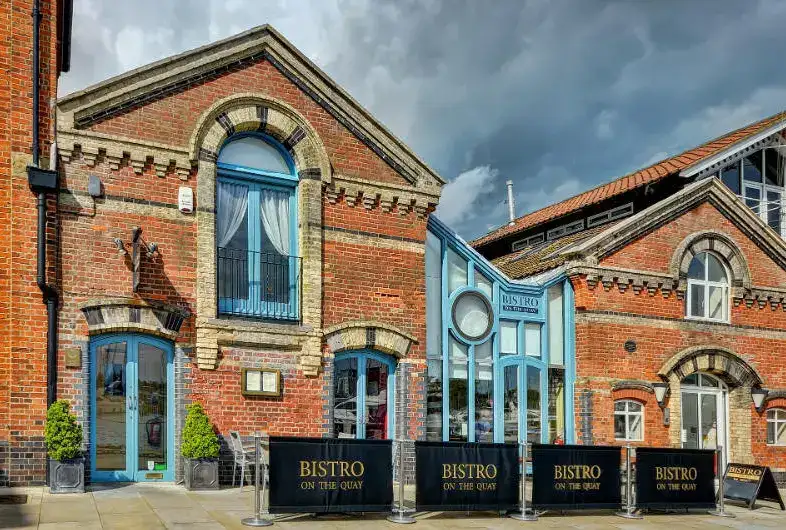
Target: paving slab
<point x="131" y="521"/>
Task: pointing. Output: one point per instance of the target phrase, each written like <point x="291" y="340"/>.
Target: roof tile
<point x="633" y="180"/>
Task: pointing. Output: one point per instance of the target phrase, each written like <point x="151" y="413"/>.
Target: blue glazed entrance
<point x="131" y="409"/>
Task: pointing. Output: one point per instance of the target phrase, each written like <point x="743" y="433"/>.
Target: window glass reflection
<point x="110" y="428"/>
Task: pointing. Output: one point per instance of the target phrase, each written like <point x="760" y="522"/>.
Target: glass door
<point x="703" y="413"/>
<point x="131" y="409"/>
<point x="363" y="396"/>
<point x="523" y="402"/>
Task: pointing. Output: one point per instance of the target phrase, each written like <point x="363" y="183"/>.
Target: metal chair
<point x="243" y="457"/>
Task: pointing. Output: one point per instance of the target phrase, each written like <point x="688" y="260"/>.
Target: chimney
<point x="511" y="205"/>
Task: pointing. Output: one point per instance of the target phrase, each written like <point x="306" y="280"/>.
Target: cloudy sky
<point x="556" y="95"/>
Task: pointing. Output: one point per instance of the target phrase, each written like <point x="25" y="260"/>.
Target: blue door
<point x="521" y="392"/>
<point x="363" y="384"/>
<point x="131" y="409"/>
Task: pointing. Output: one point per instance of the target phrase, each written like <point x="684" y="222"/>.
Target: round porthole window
<point x="473" y="316"/>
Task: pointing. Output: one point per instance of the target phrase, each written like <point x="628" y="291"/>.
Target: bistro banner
<point x="466" y="476"/>
<point x="745" y="482"/>
<point x="321" y="475"/>
<point x="669" y="479"/>
<point x="575" y="477"/>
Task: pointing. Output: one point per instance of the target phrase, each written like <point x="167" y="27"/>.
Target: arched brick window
<point x="708" y="288"/>
<point x="628" y="420"/>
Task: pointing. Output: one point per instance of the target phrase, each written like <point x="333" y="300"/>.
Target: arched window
<point x="776" y="427"/>
<point x="256" y="219"/>
<point x="708" y="288"/>
<point x="628" y="420"/>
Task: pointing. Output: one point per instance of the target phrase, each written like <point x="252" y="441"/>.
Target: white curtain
<point x="274" y="210"/>
<point x="232" y="205"/>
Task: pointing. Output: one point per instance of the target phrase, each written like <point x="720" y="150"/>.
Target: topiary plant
<point x="63" y="434"/>
<point x="199" y="439"/>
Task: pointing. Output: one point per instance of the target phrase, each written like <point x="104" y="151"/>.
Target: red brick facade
<point x="615" y="310"/>
<point x="22" y="312"/>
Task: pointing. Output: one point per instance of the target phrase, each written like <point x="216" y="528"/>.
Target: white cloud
<point x="458" y="196"/>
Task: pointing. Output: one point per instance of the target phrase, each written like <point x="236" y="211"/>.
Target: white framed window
<point x="566" y="229"/>
<point x="776" y="427"/>
<point x="628" y="420"/>
<point x="708" y="288"/>
<point x="528" y="241"/>
<point x="759" y="178"/>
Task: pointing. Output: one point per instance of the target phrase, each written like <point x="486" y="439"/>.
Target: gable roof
<point x="597" y="244"/>
<point x="682" y="162"/>
<point x="167" y="76"/>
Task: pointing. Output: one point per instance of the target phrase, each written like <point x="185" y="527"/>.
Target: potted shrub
<point x="64" y="446"/>
<point x="199" y="448"/>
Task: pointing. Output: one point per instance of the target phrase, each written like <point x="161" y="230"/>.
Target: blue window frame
<point x="507" y="377"/>
<point x="131" y="408"/>
<point x="258" y="270"/>
<point x="363" y="389"/>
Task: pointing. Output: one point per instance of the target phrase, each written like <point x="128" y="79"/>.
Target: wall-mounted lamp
<point x="661" y="389"/>
<point x="758" y="395"/>
<point x="121" y="248"/>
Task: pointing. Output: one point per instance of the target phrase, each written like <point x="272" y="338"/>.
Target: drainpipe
<point x="41" y="182"/>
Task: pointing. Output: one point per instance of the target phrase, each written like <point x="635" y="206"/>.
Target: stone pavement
<point x="153" y="506"/>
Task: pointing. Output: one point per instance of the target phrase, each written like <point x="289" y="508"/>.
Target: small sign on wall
<point x="260" y="382"/>
<point x="73" y="357"/>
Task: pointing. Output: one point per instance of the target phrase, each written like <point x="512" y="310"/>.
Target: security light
<point x="121" y="248"/>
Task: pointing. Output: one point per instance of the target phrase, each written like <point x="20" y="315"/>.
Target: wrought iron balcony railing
<point x="258" y="284"/>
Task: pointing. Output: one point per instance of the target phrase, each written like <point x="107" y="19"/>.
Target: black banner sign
<point x="675" y="478"/>
<point x="324" y="475"/>
<point x="743" y="482"/>
<point x="466" y="476"/>
<point x="575" y="477"/>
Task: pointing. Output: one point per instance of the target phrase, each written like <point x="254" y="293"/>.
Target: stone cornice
<point x="388" y="197"/>
<point x="169" y="75"/>
<point x="117" y="151"/>
<point x="637" y="281"/>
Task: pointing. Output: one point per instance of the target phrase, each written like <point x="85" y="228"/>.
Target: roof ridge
<point x="500" y="231"/>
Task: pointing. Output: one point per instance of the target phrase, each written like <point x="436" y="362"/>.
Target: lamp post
<point x="758" y="395"/>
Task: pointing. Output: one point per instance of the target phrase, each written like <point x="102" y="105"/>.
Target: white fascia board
<point x="719" y="157"/>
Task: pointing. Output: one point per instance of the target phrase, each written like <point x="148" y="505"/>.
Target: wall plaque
<point x="260" y="382"/>
<point x="73" y="358"/>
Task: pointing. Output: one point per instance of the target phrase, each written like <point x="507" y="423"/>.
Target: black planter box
<point x="201" y="473"/>
<point x="67" y="476"/>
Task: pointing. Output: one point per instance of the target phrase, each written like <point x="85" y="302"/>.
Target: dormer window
<point x="759" y="179"/>
<point x="256" y="246"/>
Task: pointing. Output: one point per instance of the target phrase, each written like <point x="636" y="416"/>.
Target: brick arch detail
<point x="368" y="335"/>
<point x="716" y="360"/>
<point x="722" y="245"/>
<point x="256" y="112"/>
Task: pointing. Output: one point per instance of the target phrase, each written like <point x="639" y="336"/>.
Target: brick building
<point x="232" y="228"/>
<point x="28" y="88"/>
<point x="679" y="274"/>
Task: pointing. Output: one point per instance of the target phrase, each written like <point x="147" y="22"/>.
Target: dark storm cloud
<point x="556" y="95"/>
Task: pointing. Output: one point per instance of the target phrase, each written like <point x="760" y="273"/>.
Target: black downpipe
<point x="49" y="293"/>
